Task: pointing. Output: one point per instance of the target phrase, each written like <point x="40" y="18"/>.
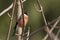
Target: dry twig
<point x="7" y="9"/>
<point x="11" y="20"/>
<point x="9" y="15"/>
<point x="40" y="8"/>
<point x="52" y="29"/>
<point x="28" y="33"/>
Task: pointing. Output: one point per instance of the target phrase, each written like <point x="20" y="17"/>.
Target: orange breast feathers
<point x="20" y="22"/>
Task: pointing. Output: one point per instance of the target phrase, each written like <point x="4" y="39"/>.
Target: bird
<point x="19" y="23"/>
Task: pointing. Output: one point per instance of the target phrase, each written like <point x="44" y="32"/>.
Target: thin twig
<point x="57" y="27"/>
<point x="9" y="15"/>
<point x="52" y="35"/>
<point x="50" y="23"/>
<point x="53" y="20"/>
<point x="28" y="33"/>
<point x="52" y="29"/>
<point x="37" y="9"/>
<point x="40" y="8"/>
<point x="11" y="20"/>
<point x="7" y="9"/>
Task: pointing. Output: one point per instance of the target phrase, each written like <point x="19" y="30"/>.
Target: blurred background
<point x="51" y="10"/>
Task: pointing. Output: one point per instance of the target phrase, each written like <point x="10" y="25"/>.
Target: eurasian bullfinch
<point x="20" y="22"/>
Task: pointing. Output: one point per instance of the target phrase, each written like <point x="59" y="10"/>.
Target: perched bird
<point x="19" y="23"/>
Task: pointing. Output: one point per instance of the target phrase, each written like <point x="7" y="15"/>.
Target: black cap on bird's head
<point x="26" y="13"/>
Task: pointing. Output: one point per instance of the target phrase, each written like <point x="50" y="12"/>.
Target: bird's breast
<point x="20" y="22"/>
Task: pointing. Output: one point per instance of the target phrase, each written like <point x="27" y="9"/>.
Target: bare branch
<point x="7" y="9"/>
<point x="8" y="36"/>
<point x="46" y="24"/>
<point x="49" y="23"/>
<point x="9" y="15"/>
<point x="52" y="29"/>
<point x="53" y="20"/>
<point x="57" y="27"/>
<point x="18" y="15"/>
<point x="52" y="35"/>
<point x="28" y="33"/>
<point x="37" y="9"/>
<point x="40" y="8"/>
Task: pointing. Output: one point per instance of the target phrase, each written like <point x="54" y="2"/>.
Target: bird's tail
<point x="15" y="29"/>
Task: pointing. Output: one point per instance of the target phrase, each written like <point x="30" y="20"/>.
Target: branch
<point x="57" y="27"/>
<point x="41" y="8"/>
<point x="37" y="9"/>
<point x="53" y="20"/>
<point x="46" y="24"/>
<point x="8" y="36"/>
<point x="49" y="23"/>
<point x="18" y="15"/>
<point x="9" y="15"/>
<point x="52" y="29"/>
<point x="28" y="33"/>
<point x="7" y="9"/>
<point x="52" y="35"/>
